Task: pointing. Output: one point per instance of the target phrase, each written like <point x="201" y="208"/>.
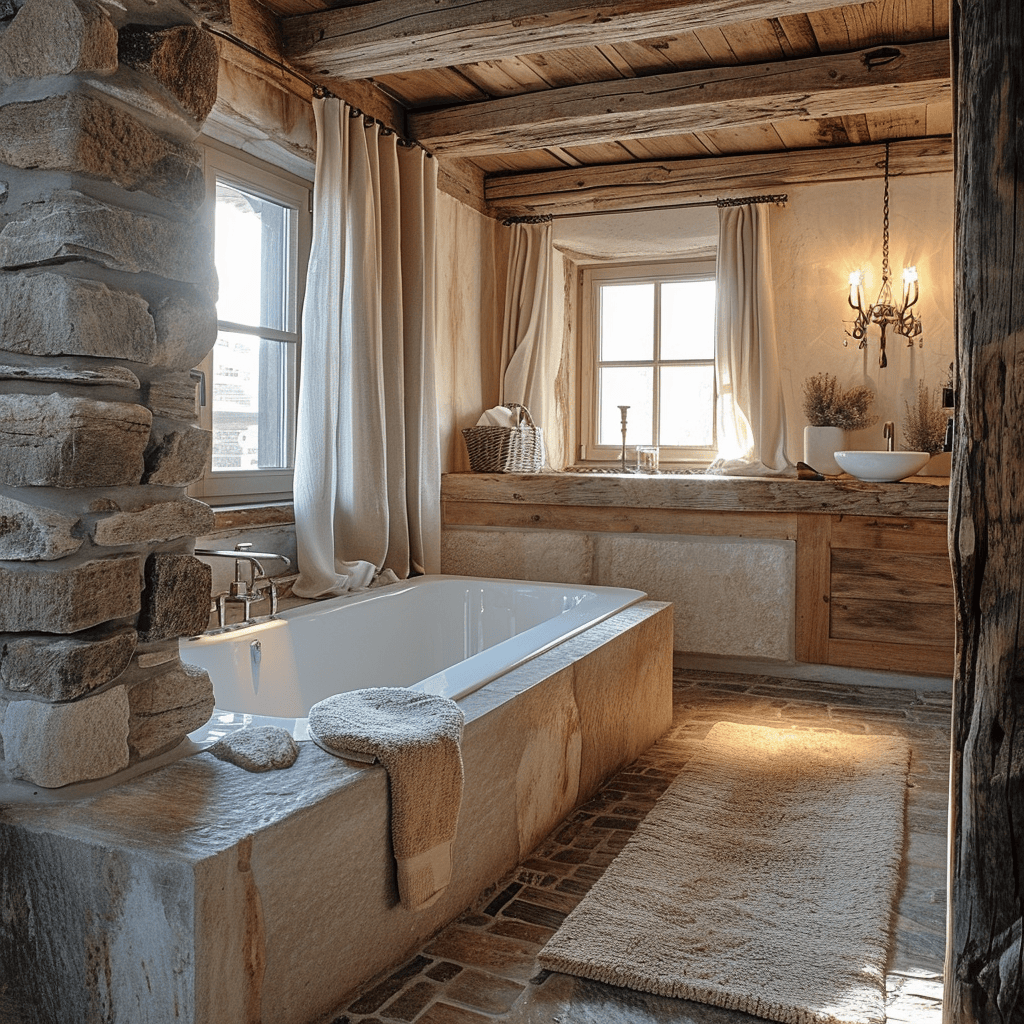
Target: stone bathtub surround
<point x="207" y="883"/>
<point x="107" y="299"/>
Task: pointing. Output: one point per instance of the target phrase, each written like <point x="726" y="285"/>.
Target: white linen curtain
<point x="367" y="460"/>
<point x="528" y="350"/>
<point x="751" y="414"/>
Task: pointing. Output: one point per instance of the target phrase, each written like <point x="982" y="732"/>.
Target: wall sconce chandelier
<point x="885" y="312"/>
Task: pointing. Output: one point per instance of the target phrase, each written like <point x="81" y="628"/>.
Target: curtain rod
<point x="318" y="90"/>
<point x="249" y="48"/>
<point x="778" y="200"/>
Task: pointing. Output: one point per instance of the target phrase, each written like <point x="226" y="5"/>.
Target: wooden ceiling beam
<point x="250" y="49"/>
<point x="382" y="37"/>
<point x="833" y="85"/>
<point x="676" y="182"/>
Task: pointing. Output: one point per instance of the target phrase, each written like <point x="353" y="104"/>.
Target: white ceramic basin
<point x="880" y="467"/>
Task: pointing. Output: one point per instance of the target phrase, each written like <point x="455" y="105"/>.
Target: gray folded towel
<point x="417" y="738"/>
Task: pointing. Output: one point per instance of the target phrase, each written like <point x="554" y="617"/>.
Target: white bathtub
<point x="448" y="635"/>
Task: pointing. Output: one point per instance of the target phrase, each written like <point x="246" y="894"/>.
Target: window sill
<point x="246" y="517"/>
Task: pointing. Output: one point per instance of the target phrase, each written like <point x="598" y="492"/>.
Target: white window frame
<point x="591" y="279"/>
<point x="260" y="178"/>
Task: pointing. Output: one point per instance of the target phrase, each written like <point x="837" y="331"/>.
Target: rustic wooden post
<point x="983" y="958"/>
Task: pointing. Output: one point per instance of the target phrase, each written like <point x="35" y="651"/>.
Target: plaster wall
<point x="824" y="233"/>
<point x="472" y="254"/>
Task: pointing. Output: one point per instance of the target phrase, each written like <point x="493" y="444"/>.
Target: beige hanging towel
<point x="417" y="737"/>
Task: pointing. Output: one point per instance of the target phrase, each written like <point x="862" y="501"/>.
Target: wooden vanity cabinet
<point x="874" y="592"/>
<point x="873" y="579"/>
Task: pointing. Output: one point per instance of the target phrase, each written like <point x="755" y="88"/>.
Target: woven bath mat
<point x="763" y="880"/>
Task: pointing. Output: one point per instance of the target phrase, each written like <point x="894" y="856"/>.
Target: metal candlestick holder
<point x="623" y="409"/>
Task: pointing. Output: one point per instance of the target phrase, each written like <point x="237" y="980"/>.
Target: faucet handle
<point x="889" y="434"/>
<point x="244" y="546"/>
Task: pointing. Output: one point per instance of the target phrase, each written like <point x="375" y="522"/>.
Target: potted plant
<point x="831" y="411"/>
<point x="924" y="430"/>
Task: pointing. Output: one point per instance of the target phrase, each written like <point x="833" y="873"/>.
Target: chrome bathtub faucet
<point x="246" y="592"/>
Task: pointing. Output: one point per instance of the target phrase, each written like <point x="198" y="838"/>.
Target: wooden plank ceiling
<point x="566" y="86"/>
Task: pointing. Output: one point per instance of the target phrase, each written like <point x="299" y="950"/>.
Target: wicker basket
<point x="518" y="449"/>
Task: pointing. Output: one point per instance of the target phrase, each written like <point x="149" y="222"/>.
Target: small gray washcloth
<point x="417" y="738"/>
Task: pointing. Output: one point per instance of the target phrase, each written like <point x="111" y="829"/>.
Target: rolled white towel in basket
<point x="499" y="416"/>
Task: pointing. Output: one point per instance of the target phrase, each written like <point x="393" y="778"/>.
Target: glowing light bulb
<point x="857" y="289"/>
<point x="910" y="288"/>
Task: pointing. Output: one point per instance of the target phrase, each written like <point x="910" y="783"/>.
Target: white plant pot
<point x="820" y="444"/>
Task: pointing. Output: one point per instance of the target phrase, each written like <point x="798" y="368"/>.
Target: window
<point x="261" y="227"/>
<point x="649" y="343"/>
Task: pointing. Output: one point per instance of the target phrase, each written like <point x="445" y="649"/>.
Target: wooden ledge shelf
<point x="925" y="498"/>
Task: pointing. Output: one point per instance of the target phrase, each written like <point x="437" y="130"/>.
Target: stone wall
<point x="107" y="299"/>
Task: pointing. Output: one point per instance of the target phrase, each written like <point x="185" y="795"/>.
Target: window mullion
<point x="656" y="369"/>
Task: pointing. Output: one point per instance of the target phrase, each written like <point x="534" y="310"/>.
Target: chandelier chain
<point x="885" y="219"/>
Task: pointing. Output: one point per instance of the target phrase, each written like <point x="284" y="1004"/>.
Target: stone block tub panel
<point x="273" y="895"/>
<point x="550" y="556"/>
<point x="733" y="596"/>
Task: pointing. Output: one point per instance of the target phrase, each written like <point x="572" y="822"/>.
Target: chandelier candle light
<point x="885" y="312"/>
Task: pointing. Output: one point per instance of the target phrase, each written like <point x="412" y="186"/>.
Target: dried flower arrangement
<point x="826" y="404"/>
<point x="924" y="426"/>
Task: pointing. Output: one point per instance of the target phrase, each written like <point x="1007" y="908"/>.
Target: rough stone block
<point x="107" y="376"/>
<point x="177" y="456"/>
<point x="28" y="532"/>
<point x="67" y="599"/>
<point x="52" y="315"/>
<point x="619" y="723"/>
<point x="543" y="555"/>
<point x="165" y="708"/>
<point x="71" y="226"/>
<point x="162" y="521"/>
<point x="63" y="668"/>
<point x="186" y="328"/>
<point x="54" y="745"/>
<point x="57" y="441"/>
<point x="84" y="135"/>
<point x="733" y="596"/>
<point x="182" y="58"/>
<point x="176" y="598"/>
<point x="173" y="396"/>
<point x="57" y="37"/>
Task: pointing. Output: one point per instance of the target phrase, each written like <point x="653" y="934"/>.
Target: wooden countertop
<point x="924" y="498"/>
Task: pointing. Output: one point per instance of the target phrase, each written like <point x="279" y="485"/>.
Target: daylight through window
<point x="650" y="345"/>
<point x="252" y="370"/>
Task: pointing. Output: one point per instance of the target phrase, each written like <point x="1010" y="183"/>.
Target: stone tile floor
<point x="483" y="967"/>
